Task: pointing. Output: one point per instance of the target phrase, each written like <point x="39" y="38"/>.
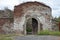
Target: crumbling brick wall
<point x="6" y="25"/>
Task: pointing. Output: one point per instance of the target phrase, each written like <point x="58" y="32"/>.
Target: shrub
<point x="28" y="29"/>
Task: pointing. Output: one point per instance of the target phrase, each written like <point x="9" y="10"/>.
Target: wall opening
<point x="32" y="26"/>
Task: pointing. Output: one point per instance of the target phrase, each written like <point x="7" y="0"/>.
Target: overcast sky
<point x="54" y="4"/>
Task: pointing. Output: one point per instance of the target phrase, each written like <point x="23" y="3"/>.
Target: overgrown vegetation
<point x="28" y="29"/>
<point x="57" y="20"/>
<point x="7" y="36"/>
<point x="46" y="32"/>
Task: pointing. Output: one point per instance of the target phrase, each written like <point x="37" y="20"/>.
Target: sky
<point x="54" y="4"/>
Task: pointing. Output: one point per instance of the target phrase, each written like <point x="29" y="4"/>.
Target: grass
<point x="7" y="36"/>
<point x="56" y="33"/>
<point x="46" y="32"/>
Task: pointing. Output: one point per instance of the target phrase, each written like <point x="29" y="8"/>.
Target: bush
<point x="28" y="29"/>
<point x="47" y="32"/>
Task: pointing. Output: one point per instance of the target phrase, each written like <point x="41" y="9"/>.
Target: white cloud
<point x="8" y="3"/>
<point x="54" y="4"/>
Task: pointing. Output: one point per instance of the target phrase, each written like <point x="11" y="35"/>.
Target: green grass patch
<point x="7" y="36"/>
<point x="46" y="32"/>
<point x="56" y="33"/>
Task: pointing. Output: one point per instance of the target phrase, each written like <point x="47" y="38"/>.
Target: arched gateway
<point x="32" y="26"/>
<point x="32" y="17"/>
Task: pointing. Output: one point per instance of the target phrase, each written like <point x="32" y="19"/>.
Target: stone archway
<point x="32" y="26"/>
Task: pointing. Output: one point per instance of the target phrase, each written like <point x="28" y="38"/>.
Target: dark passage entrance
<point x="35" y="26"/>
<point x="32" y="26"/>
